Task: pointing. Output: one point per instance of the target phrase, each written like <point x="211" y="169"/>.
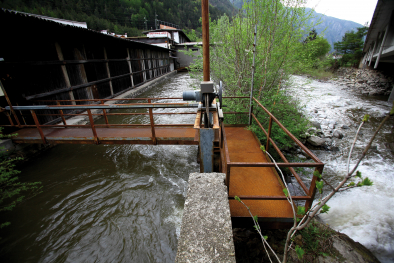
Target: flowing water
<point x="366" y="214"/>
<point x="105" y="203"/>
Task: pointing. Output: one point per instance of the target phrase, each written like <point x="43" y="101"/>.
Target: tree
<point x="280" y="28"/>
<point x="351" y="47"/>
<point x="311" y="53"/>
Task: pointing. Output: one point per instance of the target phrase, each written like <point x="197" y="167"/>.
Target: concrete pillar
<point x="206" y="231"/>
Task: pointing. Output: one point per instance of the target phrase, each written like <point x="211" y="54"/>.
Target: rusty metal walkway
<point x="135" y="135"/>
<point x="234" y="149"/>
<point x="243" y="146"/>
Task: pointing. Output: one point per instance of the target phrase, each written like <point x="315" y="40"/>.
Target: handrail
<point x="106" y="106"/>
<point x="88" y="109"/>
<point x="302" y="146"/>
<point x="317" y="163"/>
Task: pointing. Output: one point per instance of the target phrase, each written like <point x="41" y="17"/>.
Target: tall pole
<point x="251" y="87"/>
<point x="205" y="38"/>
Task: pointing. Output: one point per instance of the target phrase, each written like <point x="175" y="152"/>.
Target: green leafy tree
<point x="351" y="47"/>
<point x="280" y="29"/>
<point x="311" y="53"/>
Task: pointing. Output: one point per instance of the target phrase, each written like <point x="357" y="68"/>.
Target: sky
<point x="359" y="11"/>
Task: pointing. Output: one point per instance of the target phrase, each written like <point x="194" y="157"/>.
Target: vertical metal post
<point x="152" y="124"/>
<point x="61" y="114"/>
<point x="205" y="38"/>
<point x="92" y="125"/>
<point x="105" y="114"/>
<point x="9" y="104"/>
<point x="312" y="189"/>
<point x="44" y="141"/>
<point x="269" y="134"/>
<point x="251" y="86"/>
<point x="9" y="118"/>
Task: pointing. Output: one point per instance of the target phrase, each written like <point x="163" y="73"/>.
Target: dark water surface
<point x="105" y="203"/>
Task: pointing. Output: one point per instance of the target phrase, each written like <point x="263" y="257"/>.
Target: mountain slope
<point x="122" y="16"/>
<point x="333" y="29"/>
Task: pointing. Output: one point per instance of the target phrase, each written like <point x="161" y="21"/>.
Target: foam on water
<point x="366" y="214"/>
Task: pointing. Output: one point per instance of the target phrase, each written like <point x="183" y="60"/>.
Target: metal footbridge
<point x="228" y="148"/>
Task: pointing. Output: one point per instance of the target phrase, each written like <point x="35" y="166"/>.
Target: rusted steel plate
<point x="197" y="121"/>
<point x="269" y="197"/>
<point x="253" y="181"/>
<point x="167" y="135"/>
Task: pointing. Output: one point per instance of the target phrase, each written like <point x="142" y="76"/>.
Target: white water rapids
<point x="366" y="214"/>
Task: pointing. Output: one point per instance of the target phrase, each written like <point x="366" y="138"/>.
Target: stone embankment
<point x="364" y="81"/>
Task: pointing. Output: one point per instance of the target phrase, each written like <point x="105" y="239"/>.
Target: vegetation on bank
<point x="12" y="191"/>
<point x="286" y="44"/>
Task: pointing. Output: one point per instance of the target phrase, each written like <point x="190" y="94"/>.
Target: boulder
<point x="316" y="141"/>
<point x="338" y="134"/>
<point x="316" y="124"/>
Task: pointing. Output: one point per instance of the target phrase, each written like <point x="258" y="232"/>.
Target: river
<point x="124" y="203"/>
<point x="366" y="214"/>
<point x="105" y="203"/>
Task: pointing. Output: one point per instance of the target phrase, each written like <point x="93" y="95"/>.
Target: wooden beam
<point x="130" y="68"/>
<point x="108" y="72"/>
<point x="65" y="74"/>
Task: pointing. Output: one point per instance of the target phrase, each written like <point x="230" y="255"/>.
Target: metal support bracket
<point x="207" y="137"/>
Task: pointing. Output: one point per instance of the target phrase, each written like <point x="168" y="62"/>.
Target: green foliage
<point x="366" y="118"/>
<point x="12" y="191"/>
<point x="319" y="186"/>
<point x="286" y="192"/>
<point x="358" y="174"/>
<point x="237" y="198"/>
<point x="317" y="174"/>
<point x="301" y="210"/>
<point x="324" y="209"/>
<point x="121" y="16"/>
<point x="351" y="47"/>
<point x="366" y="181"/>
<point x="316" y="240"/>
<point x="300" y="252"/>
<point x="392" y="110"/>
<point x="311" y="53"/>
<point x="262" y="148"/>
<point x="280" y="28"/>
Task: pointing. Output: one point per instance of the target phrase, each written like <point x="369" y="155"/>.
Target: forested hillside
<point x="121" y="16"/>
<point x="333" y="29"/>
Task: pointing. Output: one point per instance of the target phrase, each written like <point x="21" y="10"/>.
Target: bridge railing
<point x="227" y="164"/>
<point x="100" y="111"/>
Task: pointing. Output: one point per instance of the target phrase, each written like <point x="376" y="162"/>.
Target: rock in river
<point x="316" y="141"/>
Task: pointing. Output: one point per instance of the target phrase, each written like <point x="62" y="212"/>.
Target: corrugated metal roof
<point x="43" y="28"/>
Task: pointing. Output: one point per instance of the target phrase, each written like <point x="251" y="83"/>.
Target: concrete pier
<point x="206" y="232"/>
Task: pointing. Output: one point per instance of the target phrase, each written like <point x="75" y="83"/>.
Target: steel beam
<point x="207" y="137"/>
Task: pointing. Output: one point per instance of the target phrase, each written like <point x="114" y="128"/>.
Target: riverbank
<point x="319" y="241"/>
<point x="363" y="213"/>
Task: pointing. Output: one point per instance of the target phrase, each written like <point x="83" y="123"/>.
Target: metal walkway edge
<point x="134" y="135"/>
